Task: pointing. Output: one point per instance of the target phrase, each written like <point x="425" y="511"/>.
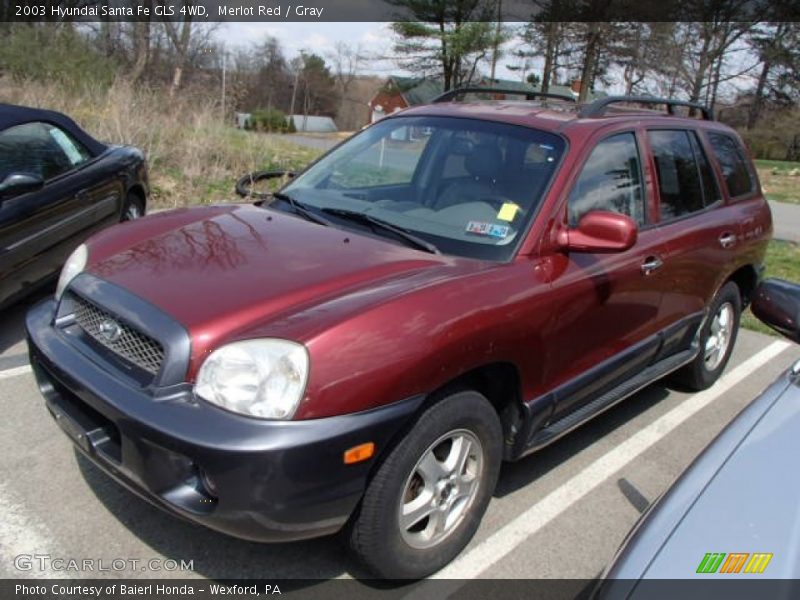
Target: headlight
<point x="74" y="265"/>
<point x="259" y="378"/>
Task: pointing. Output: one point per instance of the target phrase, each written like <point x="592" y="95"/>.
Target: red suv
<point x="457" y="285"/>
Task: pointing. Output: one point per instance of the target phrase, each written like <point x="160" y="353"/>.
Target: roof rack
<point x="529" y="94"/>
<point x="598" y="107"/>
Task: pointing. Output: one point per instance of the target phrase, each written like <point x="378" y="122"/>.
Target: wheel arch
<point x="137" y="190"/>
<point x="746" y="279"/>
<point x="499" y="382"/>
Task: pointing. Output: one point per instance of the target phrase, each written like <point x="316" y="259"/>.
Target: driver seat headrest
<point x="484" y="162"/>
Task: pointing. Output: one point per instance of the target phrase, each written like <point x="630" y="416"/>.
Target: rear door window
<point x="733" y="163"/>
<point x="685" y="182"/>
<point x="72" y="148"/>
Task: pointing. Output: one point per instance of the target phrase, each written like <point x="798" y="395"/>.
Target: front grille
<point x="119" y="337"/>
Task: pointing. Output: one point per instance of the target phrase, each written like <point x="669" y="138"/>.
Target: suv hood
<point x="220" y="270"/>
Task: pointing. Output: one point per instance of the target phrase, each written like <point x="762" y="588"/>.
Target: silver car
<point x="734" y="514"/>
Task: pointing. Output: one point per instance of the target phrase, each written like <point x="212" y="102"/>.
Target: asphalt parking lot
<point x="560" y="513"/>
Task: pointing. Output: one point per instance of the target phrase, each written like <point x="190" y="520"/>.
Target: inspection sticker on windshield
<point x="488" y="229"/>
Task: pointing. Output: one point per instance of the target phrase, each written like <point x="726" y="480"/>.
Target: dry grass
<point x="193" y="157"/>
<point x="780" y="180"/>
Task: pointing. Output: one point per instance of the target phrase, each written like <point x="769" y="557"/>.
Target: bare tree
<point x="777" y="44"/>
<point x="554" y="41"/>
<point x="631" y="50"/>
<point x="346" y="62"/>
<point x="141" y="48"/>
<point x="593" y="47"/>
<point x="181" y="37"/>
<point x="714" y="29"/>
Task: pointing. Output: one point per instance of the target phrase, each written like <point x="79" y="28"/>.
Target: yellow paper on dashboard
<point x="508" y="211"/>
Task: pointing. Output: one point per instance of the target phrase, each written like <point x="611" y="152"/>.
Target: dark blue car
<point x="57" y="186"/>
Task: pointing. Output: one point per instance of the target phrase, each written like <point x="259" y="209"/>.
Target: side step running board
<point x="649" y="375"/>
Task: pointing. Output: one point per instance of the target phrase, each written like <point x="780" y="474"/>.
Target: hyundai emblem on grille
<point x="110" y="330"/>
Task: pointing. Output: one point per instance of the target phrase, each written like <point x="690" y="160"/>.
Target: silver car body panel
<point x="742" y="494"/>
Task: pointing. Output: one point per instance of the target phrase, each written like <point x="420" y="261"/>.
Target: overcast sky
<point x="375" y="40"/>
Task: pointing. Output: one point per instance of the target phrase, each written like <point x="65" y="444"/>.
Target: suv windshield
<point x="469" y="187"/>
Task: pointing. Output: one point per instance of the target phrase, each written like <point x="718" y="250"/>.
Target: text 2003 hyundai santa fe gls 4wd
<point x="457" y="285"/>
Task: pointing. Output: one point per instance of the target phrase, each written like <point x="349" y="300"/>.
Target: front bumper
<point x="249" y="478"/>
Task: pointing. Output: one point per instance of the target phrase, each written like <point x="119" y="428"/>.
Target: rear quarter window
<point x="735" y="166"/>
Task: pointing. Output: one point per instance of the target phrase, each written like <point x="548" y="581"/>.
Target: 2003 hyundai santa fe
<point x="457" y="285"/>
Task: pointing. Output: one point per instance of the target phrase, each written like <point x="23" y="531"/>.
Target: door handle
<point x="726" y="240"/>
<point x="651" y="263"/>
<point x="82" y="196"/>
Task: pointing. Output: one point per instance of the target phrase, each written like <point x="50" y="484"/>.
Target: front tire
<point x="426" y="500"/>
<point x="716" y="341"/>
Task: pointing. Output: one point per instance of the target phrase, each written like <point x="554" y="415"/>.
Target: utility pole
<point x="290" y="118"/>
<point x="294" y="90"/>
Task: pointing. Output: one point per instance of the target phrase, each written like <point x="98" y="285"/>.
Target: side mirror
<point x="777" y="303"/>
<point x="600" y="231"/>
<point x="17" y="184"/>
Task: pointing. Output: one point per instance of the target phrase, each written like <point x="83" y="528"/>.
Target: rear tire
<point x="426" y="500"/>
<point x="133" y="208"/>
<point x="716" y="340"/>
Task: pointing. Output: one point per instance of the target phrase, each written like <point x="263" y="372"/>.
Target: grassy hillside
<point x="780" y="180"/>
<point x="193" y="157"/>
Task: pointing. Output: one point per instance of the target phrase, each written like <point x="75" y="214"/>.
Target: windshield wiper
<point x="301" y="209"/>
<point x="354" y="215"/>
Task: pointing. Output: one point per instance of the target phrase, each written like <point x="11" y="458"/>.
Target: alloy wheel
<point x="132" y="212"/>
<point x="440" y="489"/>
<point x="719" y="336"/>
